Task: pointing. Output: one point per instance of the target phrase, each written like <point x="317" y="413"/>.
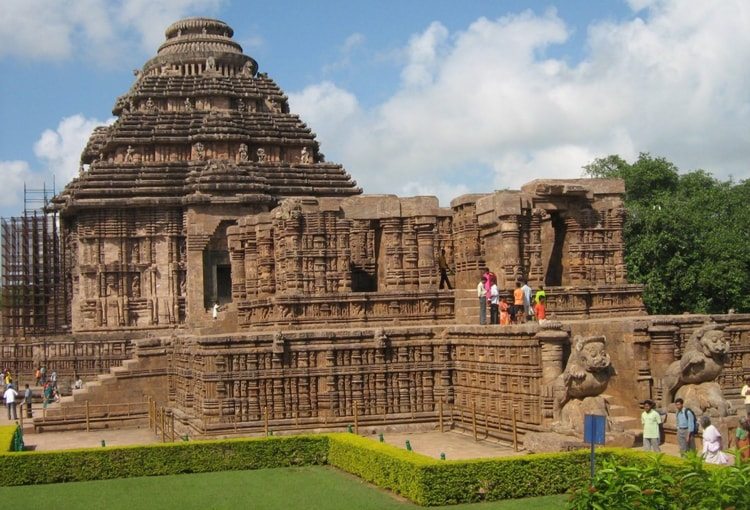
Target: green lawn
<point x="314" y="488"/>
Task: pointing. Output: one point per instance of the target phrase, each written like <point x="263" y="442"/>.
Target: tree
<point x="687" y="237"/>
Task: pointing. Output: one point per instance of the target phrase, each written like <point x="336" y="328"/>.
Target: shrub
<point x="630" y="481"/>
<point x="161" y="459"/>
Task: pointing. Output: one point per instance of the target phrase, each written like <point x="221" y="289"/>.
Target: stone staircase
<point x="622" y="418"/>
<point x="118" y="398"/>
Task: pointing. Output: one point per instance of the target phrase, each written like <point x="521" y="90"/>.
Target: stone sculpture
<point x="200" y="151"/>
<point x="261" y="153"/>
<point x="577" y="390"/>
<point x="242" y="153"/>
<point x="693" y="376"/>
<point x="304" y="156"/>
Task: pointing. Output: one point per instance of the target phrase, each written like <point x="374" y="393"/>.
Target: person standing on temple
<point x="444" y="269"/>
<point x="494" y="303"/>
<point x="516" y="313"/>
<point x="540" y="294"/>
<point x="527" y="310"/>
<point x="745" y="392"/>
<point x="482" y="295"/>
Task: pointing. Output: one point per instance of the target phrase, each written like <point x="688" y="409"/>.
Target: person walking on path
<point x="10" y="401"/>
<point x="444" y="269"/>
<point x="482" y="295"/>
<point x="27" y="398"/>
<point x="650" y="419"/>
<point x="742" y="438"/>
<point x="712" y="453"/>
<point x="687" y="427"/>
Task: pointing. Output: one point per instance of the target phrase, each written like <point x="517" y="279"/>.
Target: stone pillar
<point x="511" y="263"/>
<point x="663" y="346"/>
<point x="552" y="339"/>
<point x="425" y="228"/>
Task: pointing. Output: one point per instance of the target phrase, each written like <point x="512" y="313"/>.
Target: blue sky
<point x="436" y="97"/>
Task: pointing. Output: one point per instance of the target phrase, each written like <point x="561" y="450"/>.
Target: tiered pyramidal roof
<point x="201" y="125"/>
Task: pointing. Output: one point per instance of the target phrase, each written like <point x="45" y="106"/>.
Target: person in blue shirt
<point x="687" y="427"/>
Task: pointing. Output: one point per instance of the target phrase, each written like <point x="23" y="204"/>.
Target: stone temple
<point x="208" y="191"/>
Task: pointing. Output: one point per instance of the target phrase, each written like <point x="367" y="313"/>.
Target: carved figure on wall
<point x="381" y="339"/>
<point x="129" y="154"/>
<point x="150" y="105"/>
<point x="693" y="376"/>
<point x="242" y="153"/>
<point x="289" y="209"/>
<point x="200" y="151"/>
<point x="240" y="105"/>
<point x="304" y="156"/>
<point x="261" y="155"/>
<point x="210" y="64"/>
<point x="188" y="105"/>
<point x="247" y="69"/>
<point x="577" y="390"/>
<point x="278" y="343"/>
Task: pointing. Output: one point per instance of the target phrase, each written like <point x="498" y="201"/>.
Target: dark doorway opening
<point x="224" y="283"/>
<point x="555" y="268"/>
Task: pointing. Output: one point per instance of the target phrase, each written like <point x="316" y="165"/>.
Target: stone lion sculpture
<point x="577" y="390"/>
<point x="693" y="376"/>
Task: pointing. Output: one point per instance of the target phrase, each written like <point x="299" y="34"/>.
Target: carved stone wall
<point x="128" y="268"/>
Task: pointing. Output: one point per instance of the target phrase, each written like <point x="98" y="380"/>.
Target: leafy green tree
<point x="687" y="236"/>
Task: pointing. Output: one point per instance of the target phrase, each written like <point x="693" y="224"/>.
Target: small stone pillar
<point x="511" y="235"/>
<point x="663" y="344"/>
<point x="552" y="339"/>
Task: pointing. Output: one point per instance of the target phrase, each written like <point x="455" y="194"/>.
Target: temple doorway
<point x="217" y="270"/>
<point x="555" y="268"/>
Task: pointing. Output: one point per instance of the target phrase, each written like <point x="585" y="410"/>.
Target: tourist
<point x="504" y="312"/>
<point x="516" y="312"/>
<point x="540" y="294"/>
<point x="687" y="427"/>
<point x="443" y="266"/>
<point x="8" y="378"/>
<point x="712" y="453"/>
<point x="215" y="310"/>
<point x="78" y="384"/>
<point x="482" y="295"/>
<point x="527" y="310"/>
<point x="53" y="378"/>
<point x="38" y="376"/>
<point x="651" y="421"/>
<point x="48" y="393"/>
<point x="742" y="438"/>
<point x="27" y="398"/>
<point x="10" y="401"/>
<point x="494" y="302"/>
<point x="745" y="392"/>
<point x="491" y="277"/>
<point x="540" y="311"/>
<point x="43" y="371"/>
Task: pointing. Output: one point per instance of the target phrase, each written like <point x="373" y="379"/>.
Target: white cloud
<point x="673" y="81"/>
<point x="13" y="174"/>
<point x="56" y="29"/>
<point x="60" y="149"/>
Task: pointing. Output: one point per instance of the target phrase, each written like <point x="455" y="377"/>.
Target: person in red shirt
<point x="540" y="312"/>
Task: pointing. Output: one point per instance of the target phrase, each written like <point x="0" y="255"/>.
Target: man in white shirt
<point x="527" y="300"/>
<point x="745" y="392"/>
<point x="10" y="401"/>
<point x="482" y="295"/>
<point x="494" y="303"/>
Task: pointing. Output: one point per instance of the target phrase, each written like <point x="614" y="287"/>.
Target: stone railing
<point x="351" y="309"/>
<point x="590" y="302"/>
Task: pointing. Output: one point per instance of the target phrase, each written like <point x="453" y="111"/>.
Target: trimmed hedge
<point x="7" y="437"/>
<point x="27" y="468"/>
<point x="424" y="480"/>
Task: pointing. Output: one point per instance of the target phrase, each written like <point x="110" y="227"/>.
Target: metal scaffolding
<point x="34" y="298"/>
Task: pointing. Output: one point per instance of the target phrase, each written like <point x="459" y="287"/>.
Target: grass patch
<point x="310" y="487"/>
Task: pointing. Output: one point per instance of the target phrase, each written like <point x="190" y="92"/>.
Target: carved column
<point x="552" y="340"/>
<point x="511" y="263"/>
<point x="662" y="354"/>
<point x="425" y="228"/>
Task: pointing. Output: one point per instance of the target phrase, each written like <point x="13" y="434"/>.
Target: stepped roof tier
<point x="200" y="124"/>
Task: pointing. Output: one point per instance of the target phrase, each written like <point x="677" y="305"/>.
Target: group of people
<point x="686" y="423"/>
<point x="10" y="396"/>
<point x="524" y="306"/>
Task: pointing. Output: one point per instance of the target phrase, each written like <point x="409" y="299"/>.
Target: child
<point x="504" y="312"/>
<point x="539" y="309"/>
